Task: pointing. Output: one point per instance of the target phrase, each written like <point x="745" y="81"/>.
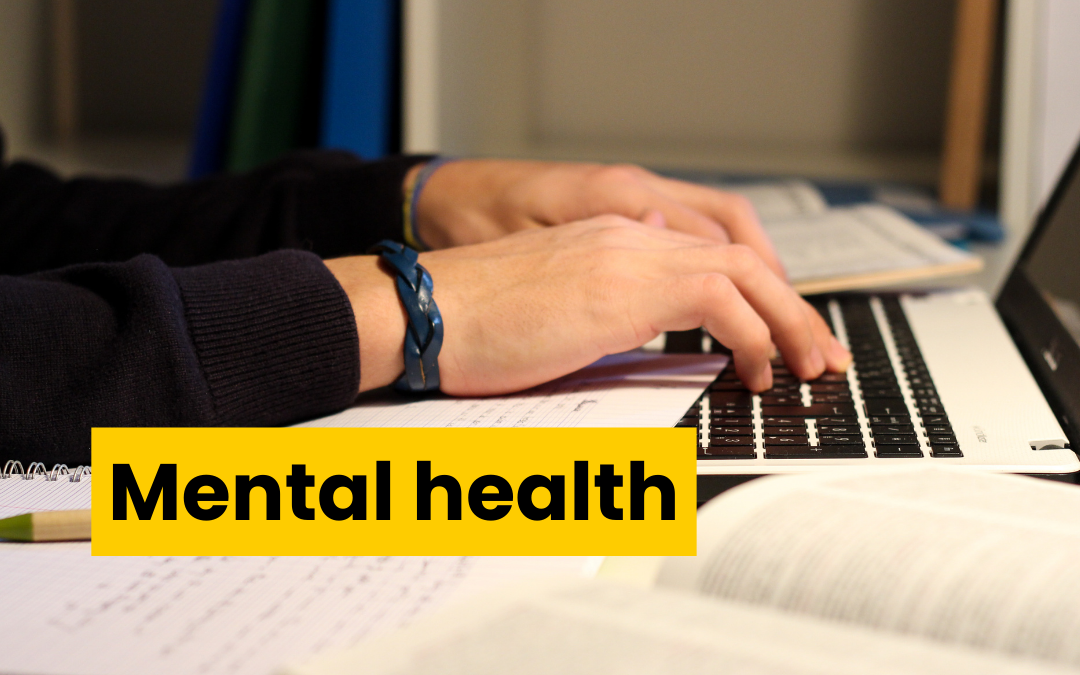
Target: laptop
<point x="940" y="377"/>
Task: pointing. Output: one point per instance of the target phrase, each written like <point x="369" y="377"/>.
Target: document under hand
<point x="633" y="389"/>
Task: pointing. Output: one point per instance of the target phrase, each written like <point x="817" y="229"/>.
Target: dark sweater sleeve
<point x="327" y="202"/>
<point x="259" y="342"/>
<point x="164" y="313"/>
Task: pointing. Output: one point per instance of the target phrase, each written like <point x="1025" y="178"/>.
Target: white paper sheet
<point x="68" y="613"/>
<point x="635" y="389"/>
<point x="18" y="495"/>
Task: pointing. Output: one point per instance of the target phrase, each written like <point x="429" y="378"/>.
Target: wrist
<point x="380" y="318"/>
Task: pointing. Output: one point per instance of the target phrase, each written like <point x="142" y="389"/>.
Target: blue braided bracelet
<point x="424" y="334"/>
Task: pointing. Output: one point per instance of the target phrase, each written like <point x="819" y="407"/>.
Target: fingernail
<point x="840" y="355"/>
<point x="766" y="377"/>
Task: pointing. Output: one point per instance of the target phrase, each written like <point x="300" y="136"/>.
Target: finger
<point x="774" y="301"/>
<point x="654" y="218"/>
<point x="733" y="211"/>
<point x="626" y="190"/>
<point x="837" y="357"/>
<point x="713" y="301"/>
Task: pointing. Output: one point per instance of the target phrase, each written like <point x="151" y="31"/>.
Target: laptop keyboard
<point x="885" y="405"/>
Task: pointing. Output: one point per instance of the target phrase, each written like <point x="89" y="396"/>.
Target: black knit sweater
<point x="204" y="303"/>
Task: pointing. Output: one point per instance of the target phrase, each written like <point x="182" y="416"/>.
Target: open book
<point x="836" y="249"/>
<point x="850" y="571"/>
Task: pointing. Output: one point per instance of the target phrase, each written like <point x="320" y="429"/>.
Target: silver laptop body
<point x="942" y="377"/>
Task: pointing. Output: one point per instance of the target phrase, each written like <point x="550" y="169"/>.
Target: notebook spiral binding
<point x="14" y="467"/>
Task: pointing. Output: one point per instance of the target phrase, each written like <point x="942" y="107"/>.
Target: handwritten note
<point x="73" y="614"/>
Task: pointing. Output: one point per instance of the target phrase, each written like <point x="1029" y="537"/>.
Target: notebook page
<point x="856" y="240"/>
<point x="81" y="615"/>
<point x="635" y="389"/>
<point x="18" y="495"/>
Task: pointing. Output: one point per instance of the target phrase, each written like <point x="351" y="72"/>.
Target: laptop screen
<point x="1040" y="302"/>
<point x="1053" y="262"/>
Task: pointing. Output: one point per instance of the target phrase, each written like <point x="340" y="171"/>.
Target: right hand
<point x="533" y="306"/>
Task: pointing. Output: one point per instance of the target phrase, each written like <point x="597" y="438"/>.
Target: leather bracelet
<point x="424" y="334"/>
<point x="412" y="200"/>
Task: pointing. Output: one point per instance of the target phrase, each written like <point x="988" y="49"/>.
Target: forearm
<point x="260" y="342"/>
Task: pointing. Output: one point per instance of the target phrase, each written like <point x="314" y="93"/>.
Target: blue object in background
<point x="361" y="110"/>
<point x="215" y="113"/>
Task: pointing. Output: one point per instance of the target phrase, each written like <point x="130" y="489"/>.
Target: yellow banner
<point x="203" y="491"/>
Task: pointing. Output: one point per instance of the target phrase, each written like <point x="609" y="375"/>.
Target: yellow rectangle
<point x="192" y="464"/>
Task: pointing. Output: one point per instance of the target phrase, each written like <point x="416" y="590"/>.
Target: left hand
<point x="473" y="201"/>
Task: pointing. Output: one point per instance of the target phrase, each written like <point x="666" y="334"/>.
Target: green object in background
<point x="271" y="86"/>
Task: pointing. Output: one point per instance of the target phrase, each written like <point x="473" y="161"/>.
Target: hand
<point x="533" y="306"/>
<point x="473" y="201"/>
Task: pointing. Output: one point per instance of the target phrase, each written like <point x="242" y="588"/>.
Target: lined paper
<point x="82" y="615"/>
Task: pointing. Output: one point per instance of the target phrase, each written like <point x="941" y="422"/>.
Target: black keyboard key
<point x="845" y="429"/>
<point x="731" y="431"/>
<point x="938" y="429"/>
<point x="942" y="439"/>
<point x="896" y="439"/>
<point x="840" y="439"/>
<point x="928" y="409"/>
<point x="729" y="452"/>
<point x="935" y="419"/>
<point x="831" y="398"/>
<point x="780" y="400"/>
<point x="822" y="452"/>
<point x="785" y="440"/>
<point x="829" y="387"/>
<point x="728" y="385"/>
<point x="883" y="407"/>
<point x="945" y="451"/>
<point x="890" y="419"/>
<point x="881" y="392"/>
<point x="731" y="420"/>
<point x="837" y="419"/>
<point x="898" y="451"/>
<point x="683" y="342"/>
<point x="785" y="431"/>
<point x="815" y="410"/>
<point x="729" y="399"/>
<point x="868" y="383"/>
<point x="723" y="441"/>
<point x="884" y="429"/>
<point x="827" y="378"/>
<point x="782" y="421"/>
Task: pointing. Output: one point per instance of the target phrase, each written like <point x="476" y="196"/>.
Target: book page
<point x="585" y="629"/>
<point x="963" y="557"/>
<point x="856" y="241"/>
<point x="633" y="389"/>
<point x="71" y="613"/>
<point x="780" y="199"/>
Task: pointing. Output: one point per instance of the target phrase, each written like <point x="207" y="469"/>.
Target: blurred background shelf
<point x="851" y="90"/>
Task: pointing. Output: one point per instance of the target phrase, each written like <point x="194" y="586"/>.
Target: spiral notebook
<point x="36" y="488"/>
<point x="70" y="613"/>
